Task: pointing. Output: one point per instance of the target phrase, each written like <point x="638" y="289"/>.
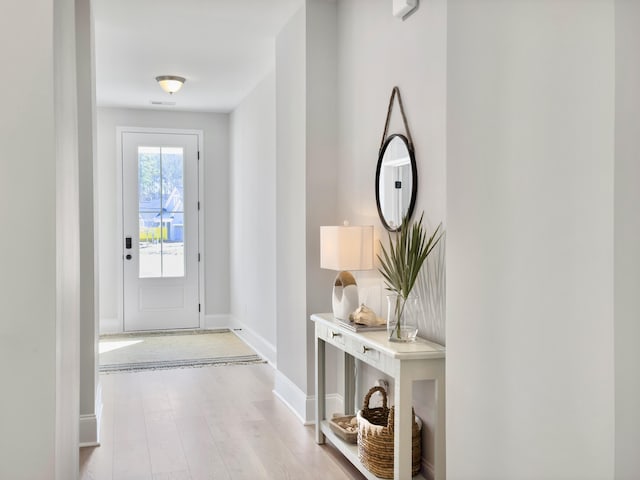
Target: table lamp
<point x="344" y="248"/>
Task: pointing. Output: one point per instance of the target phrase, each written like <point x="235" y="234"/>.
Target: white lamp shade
<point x="346" y="247"/>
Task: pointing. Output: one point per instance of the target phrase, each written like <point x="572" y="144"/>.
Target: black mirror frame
<point x="414" y="181"/>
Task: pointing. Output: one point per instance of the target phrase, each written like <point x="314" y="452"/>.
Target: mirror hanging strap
<point x="394" y="92"/>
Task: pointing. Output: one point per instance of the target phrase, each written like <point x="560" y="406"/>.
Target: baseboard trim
<point x="89" y="425"/>
<point x="89" y="431"/>
<point x="261" y="346"/>
<point x="302" y="405"/>
<point x="111" y="326"/>
<point x="211" y="322"/>
<point x="334" y="403"/>
<point x="294" y="398"/>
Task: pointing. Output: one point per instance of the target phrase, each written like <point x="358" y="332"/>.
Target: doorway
<point x="160" y="226"/>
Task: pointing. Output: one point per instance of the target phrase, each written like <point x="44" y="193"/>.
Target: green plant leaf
<point x="400" y="265"/>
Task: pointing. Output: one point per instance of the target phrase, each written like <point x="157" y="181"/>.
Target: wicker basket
<point x="375" y="437"/>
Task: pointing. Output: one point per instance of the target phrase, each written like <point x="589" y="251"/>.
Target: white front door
<point x="160" y="226"/>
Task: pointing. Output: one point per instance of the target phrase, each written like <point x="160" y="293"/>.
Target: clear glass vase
<point x="402" y="318"/>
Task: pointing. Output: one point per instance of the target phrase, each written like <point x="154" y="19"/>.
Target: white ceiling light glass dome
<point x="170" y="83"/>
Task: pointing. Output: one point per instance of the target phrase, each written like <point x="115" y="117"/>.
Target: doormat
<point x="177" y="349"/>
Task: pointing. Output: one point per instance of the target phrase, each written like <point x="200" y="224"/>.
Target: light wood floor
<point x="204" y="423"/>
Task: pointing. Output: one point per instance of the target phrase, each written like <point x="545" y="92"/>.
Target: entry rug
<point x="180" y="349"/>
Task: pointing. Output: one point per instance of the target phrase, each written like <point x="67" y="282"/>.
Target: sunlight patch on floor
<point x="108" y="346"/>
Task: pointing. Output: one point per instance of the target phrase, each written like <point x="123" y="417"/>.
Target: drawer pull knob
<point x="365" y="349"/>
<point x="335" y="334"/>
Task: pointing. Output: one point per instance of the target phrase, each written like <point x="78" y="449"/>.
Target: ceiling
<point x="222" y="47"/>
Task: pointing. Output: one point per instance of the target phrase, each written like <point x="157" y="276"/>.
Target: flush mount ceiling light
<point x="170" y="83"/>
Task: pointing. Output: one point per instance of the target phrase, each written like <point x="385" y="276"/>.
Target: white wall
<point x="291" y="310"/>
<point x="627" y="240"/>
<point x="530" y="171"/>
<point x="38" y="290"/>
<point x="322" y="162"/>
<point x="253" y="216"/>
<point x="376" y="52"/>
<point x="306" y="164"/>
<point x="216" y="201"/>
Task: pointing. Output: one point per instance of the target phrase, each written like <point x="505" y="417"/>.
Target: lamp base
<point x="345" y="296"/>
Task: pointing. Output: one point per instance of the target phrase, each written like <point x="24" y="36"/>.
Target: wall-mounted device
<point x="402" y="8"/>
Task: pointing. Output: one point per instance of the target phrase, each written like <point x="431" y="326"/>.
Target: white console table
<point x="405" y="362"/>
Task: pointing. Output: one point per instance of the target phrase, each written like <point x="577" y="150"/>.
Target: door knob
<point x="128" y="257"/>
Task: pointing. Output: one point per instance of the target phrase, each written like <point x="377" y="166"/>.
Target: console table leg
<point x="320" y="387"/>
<point x="349" y="384"/>
<point x="402" y="423"/>
<point x="440" y="472"/>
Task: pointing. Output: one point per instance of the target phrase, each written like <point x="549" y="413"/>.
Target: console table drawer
<point x="368" y="354"/>
<point x="350" y="343"/>
<point x="332" y="335"/>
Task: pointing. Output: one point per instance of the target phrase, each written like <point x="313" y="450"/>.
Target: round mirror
<point x="396" y="181"/>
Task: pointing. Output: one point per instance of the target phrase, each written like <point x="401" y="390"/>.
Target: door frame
<point x="120" y="216"/>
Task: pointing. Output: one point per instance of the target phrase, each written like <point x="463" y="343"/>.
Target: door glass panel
<point x="150" y="251"/>
<point x="161" y="212"/>
<point x="173" y="212"/>
<point x="149" y="173"/>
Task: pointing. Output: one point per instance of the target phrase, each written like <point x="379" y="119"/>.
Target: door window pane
<point x="161" y="211"/>
<point x="150" y="251"/>
<point x="149" y="174"/>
